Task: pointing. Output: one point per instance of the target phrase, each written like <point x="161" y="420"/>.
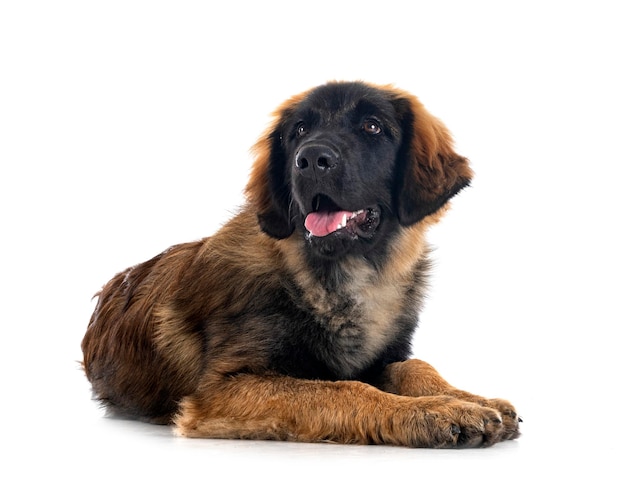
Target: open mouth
<point x="327" y="218"/>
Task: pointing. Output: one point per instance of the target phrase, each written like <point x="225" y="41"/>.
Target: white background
<point x="125" y="127"/>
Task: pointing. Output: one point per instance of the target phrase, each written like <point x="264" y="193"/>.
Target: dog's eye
<point x="301" y="129"/>
<point x="371" y="126"/>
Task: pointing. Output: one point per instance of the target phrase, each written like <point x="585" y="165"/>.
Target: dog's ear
<point x="268" y="188"/>
<point x="430" y="172"/>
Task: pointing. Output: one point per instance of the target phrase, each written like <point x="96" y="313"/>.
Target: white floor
<point x="125" y="128"/>
<point x="59" y="437"/>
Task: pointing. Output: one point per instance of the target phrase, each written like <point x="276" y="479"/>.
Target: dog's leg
<point x="416" y="378"/>
<point x="284" y="408"/>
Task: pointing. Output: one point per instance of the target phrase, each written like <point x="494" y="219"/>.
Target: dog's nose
<point x="316" y="159"/>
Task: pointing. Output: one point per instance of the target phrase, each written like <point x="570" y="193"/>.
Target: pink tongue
<point x="323" y="223"/>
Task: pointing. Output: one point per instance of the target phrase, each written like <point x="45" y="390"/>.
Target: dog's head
<point x="347" y="163"/>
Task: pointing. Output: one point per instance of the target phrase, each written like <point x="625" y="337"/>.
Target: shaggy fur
<point x="294" y="320"/>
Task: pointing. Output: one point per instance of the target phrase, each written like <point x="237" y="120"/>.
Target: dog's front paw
<point x="447" y="422"/>
<point x="510" y="417"/>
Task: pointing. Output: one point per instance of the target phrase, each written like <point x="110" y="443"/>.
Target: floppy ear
<point x="430" y="172"/>
<point x="268" y="188"/>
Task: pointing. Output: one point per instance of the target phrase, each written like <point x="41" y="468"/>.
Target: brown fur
<point x="192" y="336"/>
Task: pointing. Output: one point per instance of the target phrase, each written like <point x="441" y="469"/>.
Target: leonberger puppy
<point x="294" y="321"/>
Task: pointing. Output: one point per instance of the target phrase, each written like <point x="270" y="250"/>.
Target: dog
<point x="294" y="321"/>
